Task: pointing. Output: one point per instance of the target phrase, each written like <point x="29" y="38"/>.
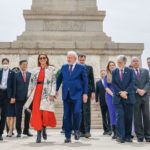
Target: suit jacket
<point x="100" y="92"/>
<point x="75" y="84"/>
<point x="91" y="82"/>
<point x="11" y="85"/>
<point x="21" y="86"/>
<point x="143" y="82"/>
<point x="127" y="84"/>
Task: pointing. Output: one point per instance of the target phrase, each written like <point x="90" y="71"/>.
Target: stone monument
<point x="56" y="26"/>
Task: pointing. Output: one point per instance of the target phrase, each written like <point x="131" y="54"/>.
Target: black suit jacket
<point x="100" y="92"/>
<point x="21" y="86"/>
<point x="91" y="81"/>
<point x="11" y="86"/>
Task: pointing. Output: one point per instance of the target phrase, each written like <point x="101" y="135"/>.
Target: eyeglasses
<point x="42" y="58"/>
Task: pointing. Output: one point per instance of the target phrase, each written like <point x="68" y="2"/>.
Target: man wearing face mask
<point x="7" y="92"/>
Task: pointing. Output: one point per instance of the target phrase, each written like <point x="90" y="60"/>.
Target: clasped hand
<point x="124" y="95"/>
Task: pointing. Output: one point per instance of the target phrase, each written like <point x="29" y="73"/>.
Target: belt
<point x="40" y="82"/>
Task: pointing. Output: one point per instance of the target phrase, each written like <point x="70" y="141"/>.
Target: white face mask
<point x="5" y="67"/>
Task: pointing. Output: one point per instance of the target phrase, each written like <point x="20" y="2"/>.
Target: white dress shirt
<point x="135" y="70"/>
<point x="3" y="84"/>
<point x="73" y="66"/>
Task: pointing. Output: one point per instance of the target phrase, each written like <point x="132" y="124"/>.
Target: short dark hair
<point x="22" y="61"/>
<point x="5" y="59"/>
<point x="148" y="58"/>
<point x="81" y="55"/>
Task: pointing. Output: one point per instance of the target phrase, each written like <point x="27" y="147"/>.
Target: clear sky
<point x="126" y="20"/>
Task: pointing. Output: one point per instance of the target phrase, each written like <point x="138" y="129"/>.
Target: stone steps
<point x="96" y="121"/>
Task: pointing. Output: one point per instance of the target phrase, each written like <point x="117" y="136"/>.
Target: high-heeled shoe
<point x="10" y="133"/>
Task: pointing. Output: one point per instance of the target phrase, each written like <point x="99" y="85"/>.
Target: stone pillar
<point x="65" y="5"/>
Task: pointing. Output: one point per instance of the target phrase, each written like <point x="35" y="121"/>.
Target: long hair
<point x="47" y="63"/>
<point x="109" y="73"/>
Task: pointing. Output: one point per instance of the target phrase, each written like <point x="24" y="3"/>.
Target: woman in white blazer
<point x="41" y="94"/>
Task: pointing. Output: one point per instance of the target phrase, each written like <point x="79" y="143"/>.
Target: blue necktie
<point x="70" y="69"/>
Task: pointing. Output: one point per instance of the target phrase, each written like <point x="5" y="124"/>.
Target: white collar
<point x="6" y="70"/>
<point x="137" y="69"/>
<point x="73" y="64"/>
<point x="121" y="69"/>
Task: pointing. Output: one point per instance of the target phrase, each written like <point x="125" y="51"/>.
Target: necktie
<point x="24" y="76"/>
<point x="121" y="74"/>
<point x="70" y="69"/>
<point x="137" y="74"/>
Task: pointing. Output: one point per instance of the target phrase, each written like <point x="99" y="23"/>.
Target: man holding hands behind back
<point x="74" y="81"/>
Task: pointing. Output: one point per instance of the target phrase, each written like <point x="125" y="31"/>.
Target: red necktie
<point x="24" y="76"/>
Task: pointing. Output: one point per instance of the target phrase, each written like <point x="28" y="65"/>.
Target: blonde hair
<point x="109" y="73"/>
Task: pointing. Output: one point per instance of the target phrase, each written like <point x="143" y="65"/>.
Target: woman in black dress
<point x="11" y="115"/>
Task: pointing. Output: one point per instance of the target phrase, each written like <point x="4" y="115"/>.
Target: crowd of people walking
<point x="122" y="92"/>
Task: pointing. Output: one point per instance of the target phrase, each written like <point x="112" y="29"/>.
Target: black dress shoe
<point x="87" y="135"/>
<point x="76" y="135"/>
<point x="62" y="131"/>
<point x="147" y="140"/>
<point x="120" y="140"/>
<point x="140" y="140"/>
<point x="128" y="140"/>
<point x="27" y="133"/>
<point x="1" y="138"/>
<point x="109" y="133"/>
<point x="105" y="133"/>
<point x="38" y="140"/>
<point x="44" y="134"/>
<point x="18" y="135"/>
<point x="132" y="136"/>
<point x="67" y="141"/>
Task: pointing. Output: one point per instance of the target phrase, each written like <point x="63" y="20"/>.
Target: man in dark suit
<point x="22" y="83"/>
<point x="141" y="109"/>
<point x="123" y="98"/>
<point x="100" y="98"/>
<point x="86" y="107"/>
<point x="7" y="92"/>
<point x="74" y="81"/>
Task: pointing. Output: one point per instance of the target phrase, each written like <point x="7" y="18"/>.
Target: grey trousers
<point x="142" y="117"/>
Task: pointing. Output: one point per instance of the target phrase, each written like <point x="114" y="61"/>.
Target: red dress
<point x="39" y="118"/>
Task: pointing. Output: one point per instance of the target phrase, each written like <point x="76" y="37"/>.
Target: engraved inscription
<point x="64" y="26"/>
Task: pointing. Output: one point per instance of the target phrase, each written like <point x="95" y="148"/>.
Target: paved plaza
<point x="56" y="142"/>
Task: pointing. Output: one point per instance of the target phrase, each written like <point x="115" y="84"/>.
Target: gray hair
<point x="135" y="58"/>
<point x="72" y="53"/>
<point x="122" y="58"/>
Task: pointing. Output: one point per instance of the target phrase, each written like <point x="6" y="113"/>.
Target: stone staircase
<point x="96" y="121"/>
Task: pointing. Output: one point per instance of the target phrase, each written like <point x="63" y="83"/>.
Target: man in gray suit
<point x="141" y="109"/>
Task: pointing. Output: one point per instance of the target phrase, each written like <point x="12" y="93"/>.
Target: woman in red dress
<point x="42" y="90"/>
